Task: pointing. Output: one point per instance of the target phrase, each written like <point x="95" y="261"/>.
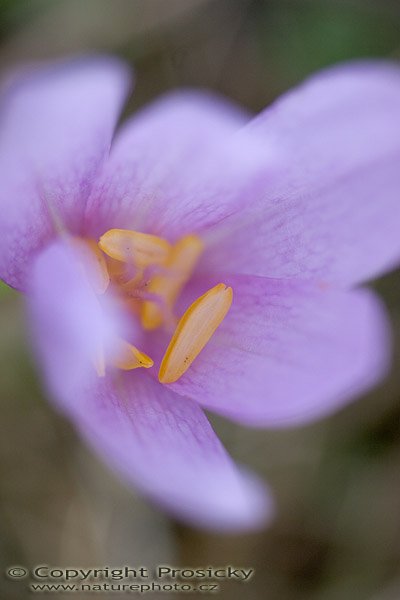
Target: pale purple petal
<point x="164" y="445"/>
<point x="56" y="125"/>
<point x="334" y="214"/>
<point x="288" y="352"/>
<point x="178" y="166"/>
<point x="70" y="326"/>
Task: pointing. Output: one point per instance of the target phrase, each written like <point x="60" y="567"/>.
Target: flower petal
<point x="71" y="330"/>
<point x="164" y="445"/>
<point x="56" y="126"/>
<point x="288" y="352"/>
<point x="334" y="214"/>
<point x="179" y="166"/>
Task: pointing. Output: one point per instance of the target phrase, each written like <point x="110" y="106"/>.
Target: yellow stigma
<point x="194" y="330"/>
<point x="132" y="247"/>
<point x="128" y="357"/>
<point x="179" y="267"/>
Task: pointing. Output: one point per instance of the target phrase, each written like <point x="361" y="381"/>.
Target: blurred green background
<point x="337" y="483"/>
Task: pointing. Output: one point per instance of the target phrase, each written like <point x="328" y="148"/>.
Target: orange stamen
<point x="194" y="330"/>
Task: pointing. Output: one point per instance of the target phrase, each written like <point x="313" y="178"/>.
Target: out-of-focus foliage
<point x="306" y="36"/>
<point x="4" y="290"/>
<point x="337" y="536"/>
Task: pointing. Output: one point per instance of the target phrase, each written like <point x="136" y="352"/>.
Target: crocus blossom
<point x="199" y="258"/>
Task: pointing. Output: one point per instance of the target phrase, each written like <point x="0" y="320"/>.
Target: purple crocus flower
<point x="193" y="204"/>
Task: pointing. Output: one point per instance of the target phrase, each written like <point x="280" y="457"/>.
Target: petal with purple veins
<point x="56" y="125"/>
<point x="334" y="212"/>
<point x="164" y="445"/>
<point x="288" y="352"/>
<point x="179" y="166"/>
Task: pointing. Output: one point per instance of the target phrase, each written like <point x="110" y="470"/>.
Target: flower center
<point x="150" y="273"/>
